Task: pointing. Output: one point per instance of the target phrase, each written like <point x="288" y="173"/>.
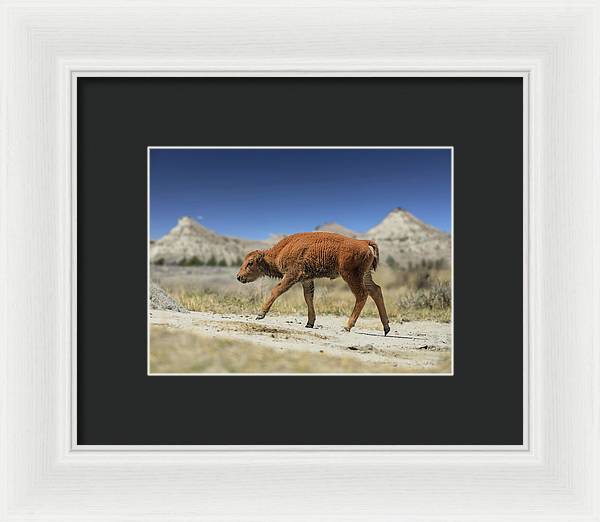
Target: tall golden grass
<point x="409" y="295"/>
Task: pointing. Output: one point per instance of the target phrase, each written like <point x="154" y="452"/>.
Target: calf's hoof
<point x="347" y="328"/>
<point x="309" y="325"/>
<point x="261" y="316"/>
<point x="386" y="329"/>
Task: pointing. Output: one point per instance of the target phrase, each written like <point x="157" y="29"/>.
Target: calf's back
<point x="322" y="254"/>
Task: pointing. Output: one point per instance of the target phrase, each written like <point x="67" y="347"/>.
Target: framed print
<point x="252" y="250"/>
<point x="210" y="321"/>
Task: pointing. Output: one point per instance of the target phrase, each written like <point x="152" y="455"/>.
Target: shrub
<point x="437" y="297"/>
<point x="222" y="263"/>
<point x="160" y="262"/>
<point x="194" y="261"/>
<point x="422" y="280"/>
<point x="212" y="261"/>
<point x="391" y="262"/>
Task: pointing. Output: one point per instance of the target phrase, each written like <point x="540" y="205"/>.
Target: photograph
<point x="300" y="260"/>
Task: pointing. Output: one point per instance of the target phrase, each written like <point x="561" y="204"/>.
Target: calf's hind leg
<point x="309" y="293"/>
<point x="359" y="290"/>
<point x="374" y="291"/>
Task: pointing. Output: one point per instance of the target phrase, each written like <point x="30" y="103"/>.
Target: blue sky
<point x="251" y="193"/>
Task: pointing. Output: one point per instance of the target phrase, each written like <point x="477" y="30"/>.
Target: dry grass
<point x="173" y="351"/>
<point x="409" y="296"/>
<point x="402" y="307"/>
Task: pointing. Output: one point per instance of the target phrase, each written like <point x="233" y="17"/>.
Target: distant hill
<point x="190" y="239"/>
<point x="403" y="240"/>
<point x="337" y="229"/>
<point x="407" y="239"/>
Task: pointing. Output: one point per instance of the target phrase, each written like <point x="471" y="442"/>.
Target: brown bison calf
<point x="301" y="258"/>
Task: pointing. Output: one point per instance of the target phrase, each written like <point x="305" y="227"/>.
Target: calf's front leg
<point x="283" y="286"/>
<point x="309" y="293"/>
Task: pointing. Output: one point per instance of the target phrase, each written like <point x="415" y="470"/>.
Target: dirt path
<point x="418" y="345"/>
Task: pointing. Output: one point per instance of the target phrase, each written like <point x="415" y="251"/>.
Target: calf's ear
<point x="260" y="258"/>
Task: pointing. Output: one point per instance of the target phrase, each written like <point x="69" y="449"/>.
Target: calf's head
<point x="250" y="269"/>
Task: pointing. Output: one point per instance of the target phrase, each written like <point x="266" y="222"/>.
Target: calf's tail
<point x="375" y="249"/>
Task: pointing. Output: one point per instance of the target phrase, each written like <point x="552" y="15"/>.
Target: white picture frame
<point x="554" y="45"/>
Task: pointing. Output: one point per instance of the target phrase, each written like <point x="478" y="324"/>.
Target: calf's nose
<point x="239" y="278"/>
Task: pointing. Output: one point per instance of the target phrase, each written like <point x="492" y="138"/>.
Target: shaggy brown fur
<point x="301" y="258"/>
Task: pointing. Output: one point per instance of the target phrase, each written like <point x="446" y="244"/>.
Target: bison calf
<point x="301" y="258"/>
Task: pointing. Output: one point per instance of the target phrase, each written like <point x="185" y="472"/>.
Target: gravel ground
<point x="422" y="346"/>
